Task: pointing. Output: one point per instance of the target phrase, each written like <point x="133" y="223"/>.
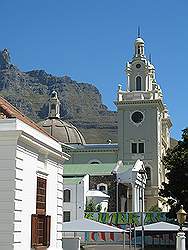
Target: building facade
<point x="31" y="184"/>
<point x="143" y="127"/>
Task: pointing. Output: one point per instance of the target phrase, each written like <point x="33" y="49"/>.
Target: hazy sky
<point x="91" y="40"/>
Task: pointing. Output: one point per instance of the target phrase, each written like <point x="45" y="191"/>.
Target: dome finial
<point x="54" y="106"/>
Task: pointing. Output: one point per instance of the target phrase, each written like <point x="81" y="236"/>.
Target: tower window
<point x="137" y="147"/>
<point x="138" y="83"/>
<point x="53" y="106"/>
<point x="134" y="148"/>
<point x="141" y="147"/>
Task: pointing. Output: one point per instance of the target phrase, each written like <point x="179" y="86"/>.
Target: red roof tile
<point x="12" y="112"/>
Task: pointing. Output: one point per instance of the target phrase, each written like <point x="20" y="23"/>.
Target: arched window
<point x="67" y="195"/>
<point x="102" y="187"/>
<point x="138" y="83"/>
<point x="94" y="161"/>
<point x="53" y="106"/>
<point x="148" y="172"/>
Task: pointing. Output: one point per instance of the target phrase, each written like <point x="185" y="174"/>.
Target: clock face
<point x="138" y="66"/>
<point x="137" y="117"/>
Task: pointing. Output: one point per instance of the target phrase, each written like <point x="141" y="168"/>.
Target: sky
<point x="91" y="41"/>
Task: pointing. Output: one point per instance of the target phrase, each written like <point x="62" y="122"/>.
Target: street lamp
<point x="117" y="193"/>
<point x="142" y="172"/>
<point x="180" y="238"/>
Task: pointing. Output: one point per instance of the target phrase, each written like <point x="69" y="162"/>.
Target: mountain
<point x="81" y="103"/>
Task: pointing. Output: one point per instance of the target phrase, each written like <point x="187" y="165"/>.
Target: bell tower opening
<point x="138" y="83"/>
<point x="54" y="106"/>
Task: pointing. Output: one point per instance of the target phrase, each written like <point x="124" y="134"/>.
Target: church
<point x="143" y="134"/>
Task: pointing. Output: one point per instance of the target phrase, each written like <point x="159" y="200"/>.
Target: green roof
<point x="72" y="180"/>
<point x="92" y="169"/>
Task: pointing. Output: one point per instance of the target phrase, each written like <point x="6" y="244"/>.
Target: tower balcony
<point x="138" y="95"/>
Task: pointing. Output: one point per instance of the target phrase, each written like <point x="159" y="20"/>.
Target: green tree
<point x="90" y="206"/>
<point x="176" y="165"/>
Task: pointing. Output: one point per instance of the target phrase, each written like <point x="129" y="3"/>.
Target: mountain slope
<point x="81" y="103"/>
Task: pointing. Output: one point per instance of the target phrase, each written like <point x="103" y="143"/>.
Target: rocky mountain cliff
<point x="81" y="103"/>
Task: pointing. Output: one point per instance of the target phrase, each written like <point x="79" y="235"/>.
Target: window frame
<point x="64" y="196"/>
<point x="68" y="212"/>
<point x="137" y="144"/>
<point x="102" y="185"/>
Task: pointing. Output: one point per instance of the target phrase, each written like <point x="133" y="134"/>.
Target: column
<point x="134" y="194"/>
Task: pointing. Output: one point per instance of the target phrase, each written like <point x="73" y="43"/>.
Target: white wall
<point x="78" y="198"/>
<point x="22" y="159"/>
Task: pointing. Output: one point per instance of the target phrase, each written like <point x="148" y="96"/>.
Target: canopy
<point x="160" y="226"/>
<point x="96" y="193"/>
<point x="86" y="225"/>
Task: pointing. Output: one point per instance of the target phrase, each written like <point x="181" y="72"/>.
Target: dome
<point x="64" y="132"/>
<point x="139" y="40"/>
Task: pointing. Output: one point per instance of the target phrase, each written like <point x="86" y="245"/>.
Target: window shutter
<point x="34" y="221"/>
<point x="48" y="229"/>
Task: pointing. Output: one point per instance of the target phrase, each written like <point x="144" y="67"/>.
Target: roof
<point x="96" y="193"/>
<point x="63" y="131"/>
<point x="93" y="169"/>
<point x="12" y="112"/>
<point x="86" y="225"/>
<point x="160" y="226"/>
<point x="72" y="180"/>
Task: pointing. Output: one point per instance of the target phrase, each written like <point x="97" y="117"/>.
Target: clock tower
<point x="143" y="122"/>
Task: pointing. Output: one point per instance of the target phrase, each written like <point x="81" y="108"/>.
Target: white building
<point x="106" y="183"/>
<point x="74" y="198"/>
<point x="31" y="184"/>
<point x="77" y="196"/>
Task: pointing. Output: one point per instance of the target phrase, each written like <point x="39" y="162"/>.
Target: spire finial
<point x="150" y="58"/>
<point x="138" y="31"/>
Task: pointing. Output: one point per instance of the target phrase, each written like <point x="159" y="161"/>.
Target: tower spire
<point x="138" y="31"/>
<point x="150" y="58"/>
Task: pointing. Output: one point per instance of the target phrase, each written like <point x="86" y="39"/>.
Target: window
<point x="66" y="197"/>
<point x="148" y="172"/>
<point x="53" y="106"/>
<point x="66" y="216"/>
<point x="137" y="147"/>
<point x="137" y="117"/>
<point x="102" y="187"/>
<point x="40" y="230"/>
<point x="94" y="161"/>
<point x="140" y="147"/>
<point x="41" y="196"/>
<point x="138" y="83"/>
<point x="134" y="148"/>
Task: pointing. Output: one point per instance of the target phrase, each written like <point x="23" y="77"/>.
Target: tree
<point x="92" y="207"/>
<point x="176" y="165"/>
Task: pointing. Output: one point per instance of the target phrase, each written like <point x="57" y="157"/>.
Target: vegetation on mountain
<point x="81" y="103"/>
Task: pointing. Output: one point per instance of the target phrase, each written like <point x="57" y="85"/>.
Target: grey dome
<point x="64" y="132"/>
